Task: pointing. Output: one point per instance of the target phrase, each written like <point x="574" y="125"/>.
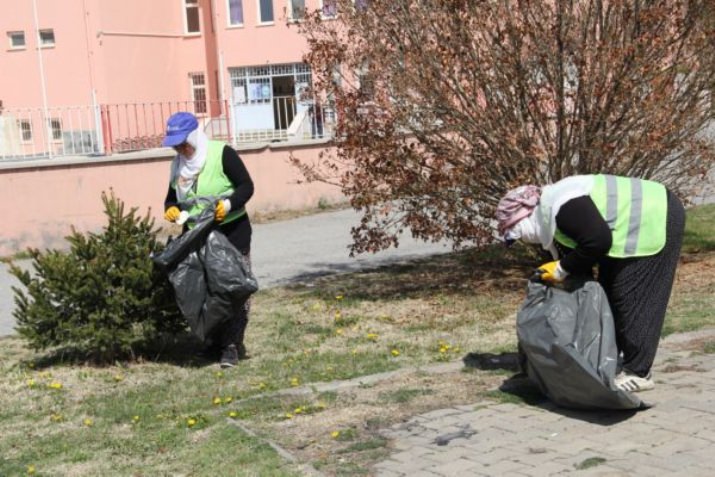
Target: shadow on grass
<point x="472" y="271"/>
<point x="182" y="350"/>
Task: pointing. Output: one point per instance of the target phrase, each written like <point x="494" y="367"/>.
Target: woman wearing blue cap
<point x="204" y="167"/>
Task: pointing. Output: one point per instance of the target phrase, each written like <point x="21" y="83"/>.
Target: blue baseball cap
<point x="178" y="127"/>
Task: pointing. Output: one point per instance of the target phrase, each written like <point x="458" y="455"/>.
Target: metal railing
<point x="35" y="133"/>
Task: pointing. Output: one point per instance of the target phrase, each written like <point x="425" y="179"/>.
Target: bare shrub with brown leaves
<point x="443" y="105"/>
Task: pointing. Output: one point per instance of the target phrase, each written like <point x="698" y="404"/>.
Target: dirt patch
<point x="347" y="432"/>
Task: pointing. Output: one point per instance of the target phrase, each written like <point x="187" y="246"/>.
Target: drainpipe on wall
<point x="45" y="118"/>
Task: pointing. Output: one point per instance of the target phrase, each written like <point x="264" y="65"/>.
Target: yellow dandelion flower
<point x="395" y="352"/>
<point x="456" y="349"/>
<point x="298" y="410"/>
<point x="335" y="434"/>
<point x="31" y="383"/>
<point x="338" y="297"/>
<point x="135" y="419"/>
<point x="261" y="386"/>
<point x="88" y="422"/>
<point x="31" y="470"/>
<point x="443" y="350"/>
<point x="191" y="422"/>
<point x="317" y="306"/>
<point x="339" y="331"/>
<point x="118" y="378"/>
<point x="217" y="401"/>
<point x="56" y="417"/>
<point x="219" y="374"/>
<point x="338" y="315"/>
<point x="372" y="336"/>
<point x="294" y="382"/>
<point x="55" y="385"/>
<point x="227" y="399"/>
<point x="354" y="351"/>
<point x="233" y="414"/>
<point x="288" y="415"/>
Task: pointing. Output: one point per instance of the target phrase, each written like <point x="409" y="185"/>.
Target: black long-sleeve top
<point x="238" y="231"/>
<point x="580" y="220"/>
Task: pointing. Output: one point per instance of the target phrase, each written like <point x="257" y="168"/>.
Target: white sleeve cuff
<point x="227" y="205"/>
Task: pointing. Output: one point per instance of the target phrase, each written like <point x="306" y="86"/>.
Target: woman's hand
<point x="172" y="213"/>
<point x="552" y="272"/>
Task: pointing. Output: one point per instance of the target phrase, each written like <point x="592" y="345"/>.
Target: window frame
<point x="11" y="38"/>
<point x="290" y="11"/>
<point x="193" y="5"/>
<point x="42" y="42"/>
<point x="259" y="12"/>
<point x="28" y="123"/>
<point x="322" y="9"/>
<point x="56" y="132"/>
<point x="228" y="15"/>
<point x="193" y="76"/>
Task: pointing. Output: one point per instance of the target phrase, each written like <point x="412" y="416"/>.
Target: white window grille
<point x="193" y="24"/>
<point x="198" y="92"/>
<point x="329" y="8"/>
<point x="17" y="39"/>
<point x="235" y="12"/>
<point x="47" y="38"/>
<point x="265" y="11"/>
<point x="296" y="9"/>
<point x="25" y="130"/>
<point x="56" y="128"/>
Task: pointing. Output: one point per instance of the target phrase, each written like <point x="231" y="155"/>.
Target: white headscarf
<point x="529" y="230"/>
<point x="186" y="169"/>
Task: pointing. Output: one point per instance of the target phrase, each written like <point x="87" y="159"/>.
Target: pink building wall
<point x="43" y="201"/>
<point x="135" y="50"/>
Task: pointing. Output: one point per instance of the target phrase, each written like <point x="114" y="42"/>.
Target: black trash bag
<point x="569" y="340"/>
<point x="210" y="277"/>
<point x="189" y="283"/>
<point x="227" y="272"/>
<point x="191" y="240"/>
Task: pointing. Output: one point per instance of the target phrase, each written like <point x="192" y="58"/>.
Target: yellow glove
<point x="172" y="213"/>
<point x="552" y="272"/>
<point x="220" y="211"/>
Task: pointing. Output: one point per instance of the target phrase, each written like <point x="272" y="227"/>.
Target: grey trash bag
<point x="568" y="338"/>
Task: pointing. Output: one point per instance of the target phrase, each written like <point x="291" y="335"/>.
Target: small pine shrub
<point x="104" y="297"/>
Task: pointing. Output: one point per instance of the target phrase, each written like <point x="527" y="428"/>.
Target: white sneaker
<point x="626" y="381"/>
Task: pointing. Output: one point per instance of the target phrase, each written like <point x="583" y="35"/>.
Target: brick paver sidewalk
<point x="676" y="437"/>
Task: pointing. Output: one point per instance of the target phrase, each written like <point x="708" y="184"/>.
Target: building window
<point x="17" y="39"/>
<point x="235" y="12"/>
<point x="265" y="10"/>
<point x="193" y="25"/>
<point x="25" y="130"/>
<point x="56" y="128"/>
<point x="297" y="9"/>
<point x="329" y="8"/>
<point x="198" y="92"/>
<point x="47" y="38"/>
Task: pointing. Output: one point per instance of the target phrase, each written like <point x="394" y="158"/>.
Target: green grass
<point x="589" y="463"/>
<point x="700" y="229"/>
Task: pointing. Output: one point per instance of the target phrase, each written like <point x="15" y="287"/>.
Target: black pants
<point x="638" y="291"/>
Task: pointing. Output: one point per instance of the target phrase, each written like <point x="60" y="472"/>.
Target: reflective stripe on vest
<point x="635" y="211"/>
<point x="212" y="182"/>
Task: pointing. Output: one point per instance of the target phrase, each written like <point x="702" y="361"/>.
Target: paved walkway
<point x="675" y="437"/>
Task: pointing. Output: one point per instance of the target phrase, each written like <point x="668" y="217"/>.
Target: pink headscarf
<point x="515" y="205"/>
